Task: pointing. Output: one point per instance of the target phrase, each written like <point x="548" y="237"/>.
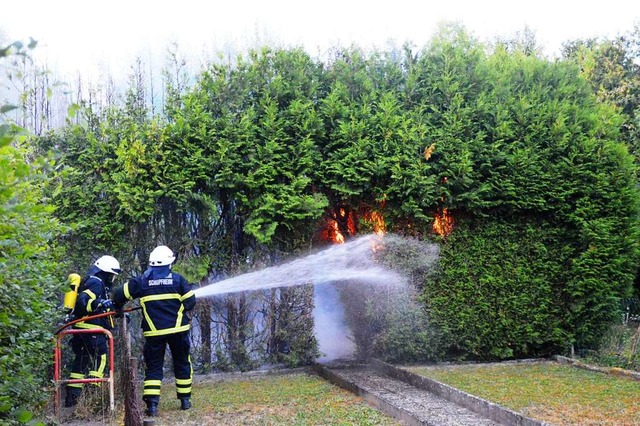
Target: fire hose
<point x="100" y="315"/>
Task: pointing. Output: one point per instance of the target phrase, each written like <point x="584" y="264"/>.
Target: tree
<point x="611" y="67"/>
<point x="532" y="149"/>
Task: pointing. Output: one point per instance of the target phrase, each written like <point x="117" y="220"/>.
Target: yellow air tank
<point x="71" y="296"/>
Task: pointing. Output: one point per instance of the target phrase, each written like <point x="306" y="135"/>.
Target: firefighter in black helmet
<point x="90" y="350"/>
<point x="165" y="297"/>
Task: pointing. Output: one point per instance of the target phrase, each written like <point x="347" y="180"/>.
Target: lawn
<point x="287" y="399"/>
<point x="555" y="393"/>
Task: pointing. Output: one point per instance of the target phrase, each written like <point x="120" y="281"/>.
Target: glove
<point x="105" y="305"/>
<point x="118" y="309"/>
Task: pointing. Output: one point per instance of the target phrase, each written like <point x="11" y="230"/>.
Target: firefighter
<point x="165" y="297"/>
<point x="90" y="350"/>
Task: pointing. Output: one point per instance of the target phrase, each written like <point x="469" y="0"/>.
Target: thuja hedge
<point x="499" y="291"/>
<point x="546" y="204"/>
<point x="259" y="151"/>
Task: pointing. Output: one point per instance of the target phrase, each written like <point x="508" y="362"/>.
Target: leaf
<point x="23" y="416"/>
<point x="72" y="110"/>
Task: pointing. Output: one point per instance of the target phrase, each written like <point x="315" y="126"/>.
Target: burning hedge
<point x="505" y="159"/>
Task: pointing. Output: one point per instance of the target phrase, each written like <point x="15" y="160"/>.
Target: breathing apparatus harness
<point x="70" y="297"/>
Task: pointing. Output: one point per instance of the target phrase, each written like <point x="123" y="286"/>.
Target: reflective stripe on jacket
<point x="91" y="293"/>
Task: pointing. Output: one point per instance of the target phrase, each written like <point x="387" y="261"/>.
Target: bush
<point x="29" y="277"/>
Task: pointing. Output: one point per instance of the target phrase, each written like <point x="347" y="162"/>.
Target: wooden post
<point x="132" y="412"/>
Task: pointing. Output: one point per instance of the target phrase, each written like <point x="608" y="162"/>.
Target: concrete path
<point x="423" y="406"/>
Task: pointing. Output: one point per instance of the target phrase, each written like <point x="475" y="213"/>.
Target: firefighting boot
<point x="152" y="408"/>
<point x="185" y="404"/>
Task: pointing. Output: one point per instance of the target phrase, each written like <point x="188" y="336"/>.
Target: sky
<point x="90" y="36"/>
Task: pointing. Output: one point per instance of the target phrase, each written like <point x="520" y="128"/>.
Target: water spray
<point x="352" y="261"/>
<point x="383" y="268"/>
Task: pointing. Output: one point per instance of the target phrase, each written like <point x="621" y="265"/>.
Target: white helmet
<point x="108" y="264"/>
<point x="160" y="256"/>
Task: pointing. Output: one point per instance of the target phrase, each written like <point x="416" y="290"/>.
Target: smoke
<point x="334" y="336"/>
<point x="363" y="319"/>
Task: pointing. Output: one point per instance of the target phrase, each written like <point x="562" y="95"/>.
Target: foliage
<point x="269" y="326"/>
<point x="386" y="320"/>
<point x="613" y="71"/>
<point x="388" y="324"/>
<point x="246" y="167"/>
<point x="253" y="130"/>
<point x="194" y="269"/>
<point x="535" y="165"/>
<point x="492" y="297"/>
<point x="83" y="195"/>
<point x="291" y="323"/>
<point x="30" y="272"/>
<point x="619" y="347"/>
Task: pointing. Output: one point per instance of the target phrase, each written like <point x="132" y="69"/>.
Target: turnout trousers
<point x="154" y="350"/>
<point x="90" y="352"/>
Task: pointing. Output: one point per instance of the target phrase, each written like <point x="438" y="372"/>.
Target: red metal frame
<point x="57" y="366"/>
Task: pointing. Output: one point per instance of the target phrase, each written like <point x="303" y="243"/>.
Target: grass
<point x="561" y="395"/>
<point x="289" y="399"/>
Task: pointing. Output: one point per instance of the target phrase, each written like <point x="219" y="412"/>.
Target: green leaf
<point x="72" y="110"/>
<point x="23" y="416"/>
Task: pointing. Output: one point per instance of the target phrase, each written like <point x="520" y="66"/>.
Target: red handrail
<point x="90" y="317"/>
<point x="57" y="361"/>
<point x="57" y="356"/>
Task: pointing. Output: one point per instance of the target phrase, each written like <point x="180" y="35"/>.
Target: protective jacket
<point x="92" y="293"/>
<point x="165" y="298"/>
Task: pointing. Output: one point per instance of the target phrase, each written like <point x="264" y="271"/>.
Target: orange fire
<point x="351" y="223"/>
<point x="333" y="231"/>
<point x="337" y="236"/>
<point x="344" y="217"/>
<point x="377" y="222"/>
<point x="443" y="223"/>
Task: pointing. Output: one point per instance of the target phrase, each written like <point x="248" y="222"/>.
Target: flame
<point x="378" y="223"/>
<point x="351" y="224"/>
<point x="334" y="233"/>
<point x="376" y="220"/>
<point x="443" y="223"/>
<point x="346" y="217"/>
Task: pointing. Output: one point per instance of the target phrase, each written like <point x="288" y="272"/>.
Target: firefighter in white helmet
<point x="90" y="350"/>
<point x="165" y="297"/>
